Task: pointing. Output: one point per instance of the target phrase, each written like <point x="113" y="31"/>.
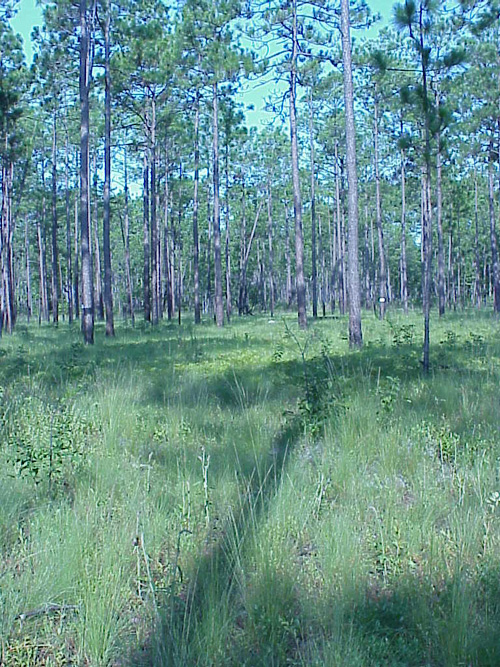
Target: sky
<point x="29" y="15"/>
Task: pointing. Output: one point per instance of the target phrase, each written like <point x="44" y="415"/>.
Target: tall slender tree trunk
<point x="69" y="258"/>
<point x="297" y="202"/>
<point x="96" y="254"/>
<point x="44" y="308"/>
<point x="219" y="304"/>
<point x="355" y="333"/>
<point x="493" y="235"/>
<point x="209" y="296"/>
<point x="382" y="276"/>
<point x="106" y="243"/>
<point x="288" y="261"/>
<point x="155" y="296"/>
<point x="339" y="236"/>
<point x="126" y="240"/>
<point x="167" y="259"/>
<point x="270" y="247"/>
<point x="404" y="268"/>
<point x="29" y="301"/>
<point x="196" y="244"/>
<point x="313" y="210"/>
<point x="55" y="262"/>
<point x="427" y="208"/>
<point x="439" y="221"/>
<point x="87" y="286"/>
<point x="477" y="264"/>
<point x="76" y="272"/>
<point x="146" y="281"/>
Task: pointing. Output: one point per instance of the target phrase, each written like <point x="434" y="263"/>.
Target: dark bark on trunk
<point x="339" y="237"/>
<point x="289" y="284"/>
<point x="196" y="245"/>
<point x="87" y="286"/>
<point x="477" y="263"/>
<point x="439" y="220"/>
<point x="242" y="294"/>
<point x="313" y="211"/>
<point x="146" y="245"/>
<point x="55" y="262"/>
<point x="29" y="303"/>
<point x="69" y="258"/>
<point x="96" y="254"/>
<point x="167" y="254"/>
<point x="44" y="309"/>
<point x="7" y="307"/>
<point x="155" y="295"/>
<point x="219" y="304"/>
<point x="270" y="248"/>
<point x="76" y="273"/>
<point x="427" y="208"/>
<point x="494" y="272"/>
<point x="228" y="237"/>
<point x="108" y="294"/>
<point x="300" y="284"/>
<point x="382" y="276"/>
<point x="355" y="333"/>
<point x="126" y="242"/>
<point x="209" y="297"/>
<point x="404" y="268"/>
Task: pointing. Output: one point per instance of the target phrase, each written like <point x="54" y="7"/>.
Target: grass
<point x="251" y="496"/>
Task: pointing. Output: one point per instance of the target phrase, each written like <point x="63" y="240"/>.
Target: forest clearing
<point x="252" y="495"/>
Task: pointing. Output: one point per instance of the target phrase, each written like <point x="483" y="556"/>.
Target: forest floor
<point x="251" y="496"/>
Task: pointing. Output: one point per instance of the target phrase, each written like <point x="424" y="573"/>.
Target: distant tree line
<point x="131" y="183"/>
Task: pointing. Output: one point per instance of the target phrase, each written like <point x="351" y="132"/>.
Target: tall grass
<point x="252" y="496"/>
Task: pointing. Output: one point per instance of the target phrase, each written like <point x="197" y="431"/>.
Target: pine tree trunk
<point x="313" y="211"/>
<point x="126" y="241"/>
<point x="297" y="203"/>
<point x="76" y="272"/>
<point x="69" y="259"/>
<point x="339" y="237"/>
<point x="439" y="220"/>
<point x="167" y="260"/>
<point x="196" y="245"/>
<point x="146" y="282"/>
<point x="427" y="209"/>
<point x="404" y="267"/>
<point x="87" y="286"/>
<point x="55" y="285"/>
<point x="355" y="333"/>
<point x="209" y="296"/>
<point x="493" y="236"/>
<point x="477" y="264"/>
<point x="242" y="294"/>
<point x="155" y="297"/>
<point x="219" y="304"/>
<point x="96" y="254"/>
<point x="29" y="303"/>
<point x="382" y="277"/>
<point x="106" y="243"/>
<point x="270" y="247"/>
<point x="289" y="285"/>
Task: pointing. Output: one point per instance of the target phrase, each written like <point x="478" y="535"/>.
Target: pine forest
<point x="249" y="333"/>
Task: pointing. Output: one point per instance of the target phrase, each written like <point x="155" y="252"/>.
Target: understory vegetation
<point x="253" y="495"/>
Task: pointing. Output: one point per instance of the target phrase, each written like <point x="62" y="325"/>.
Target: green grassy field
<point x="252" y="496"/>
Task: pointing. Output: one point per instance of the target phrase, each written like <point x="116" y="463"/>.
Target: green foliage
<point x="45" y="442"/>
<point x="278" y="499"/>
